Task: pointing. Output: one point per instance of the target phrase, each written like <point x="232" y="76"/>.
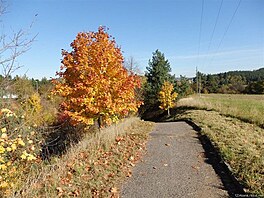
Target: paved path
<point x="174" y="166"/>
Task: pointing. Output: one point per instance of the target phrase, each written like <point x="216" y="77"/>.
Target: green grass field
<point x="234" y="123"/>
<point x="249" y="108"/>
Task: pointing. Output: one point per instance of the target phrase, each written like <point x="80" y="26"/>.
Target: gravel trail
<point x="174" y="166"/>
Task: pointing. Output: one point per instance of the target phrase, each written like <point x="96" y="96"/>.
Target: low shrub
<point x="18" y="149"/>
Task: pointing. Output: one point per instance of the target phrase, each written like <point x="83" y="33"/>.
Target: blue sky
<point x="142" y="26"/>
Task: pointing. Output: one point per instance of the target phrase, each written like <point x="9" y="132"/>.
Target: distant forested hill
<point x="250" y="76"/>
<point x="251" y="82"/>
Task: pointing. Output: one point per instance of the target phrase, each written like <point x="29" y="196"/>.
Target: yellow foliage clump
<point x="16" y="148"/>
<point x="34" y="102"/>
<point x="32" y="109"/>
<point x="167" y="96"/>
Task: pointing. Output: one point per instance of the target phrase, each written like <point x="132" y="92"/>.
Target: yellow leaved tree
<point x="93" y="81"/>
<point x="167" y="96"/>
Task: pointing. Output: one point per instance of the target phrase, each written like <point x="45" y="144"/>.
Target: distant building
<point x="10" y="96"/>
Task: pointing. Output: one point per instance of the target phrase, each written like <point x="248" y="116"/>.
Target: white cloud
<point x="250" y="52"/>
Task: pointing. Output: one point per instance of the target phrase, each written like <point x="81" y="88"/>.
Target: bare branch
<point x="3" y="7"/>
<point x="11" y="47"/>
<point x="132" y="66"/>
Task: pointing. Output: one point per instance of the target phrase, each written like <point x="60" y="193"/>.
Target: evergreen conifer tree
<point x="157" y="72"/>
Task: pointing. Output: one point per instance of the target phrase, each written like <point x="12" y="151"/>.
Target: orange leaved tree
<point x="93" y="81"/>
<point x="167" y="96"/>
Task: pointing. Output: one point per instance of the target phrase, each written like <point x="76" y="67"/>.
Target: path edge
<point x="221" y="167"/>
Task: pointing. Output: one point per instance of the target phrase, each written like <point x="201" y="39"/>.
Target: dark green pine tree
<point x="157" y="72"/>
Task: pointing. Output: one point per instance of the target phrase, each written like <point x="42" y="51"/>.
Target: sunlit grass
<point x="240" y="143"/>
<point x="249" y="108"/>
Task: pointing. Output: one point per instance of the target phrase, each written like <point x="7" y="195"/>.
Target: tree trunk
<point x="168" y="111"/>
<point x="100" y="122"/>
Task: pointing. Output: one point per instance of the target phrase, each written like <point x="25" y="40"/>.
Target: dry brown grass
<point x="94" y="167"/>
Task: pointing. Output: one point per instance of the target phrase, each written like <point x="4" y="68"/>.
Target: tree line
<point x="96" y="83"/>
<point x="23" y="87"/>
<point x="232" y="82"/>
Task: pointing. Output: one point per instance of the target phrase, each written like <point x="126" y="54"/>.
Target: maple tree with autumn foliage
<point x="93" y="81"/>
<point x="167" y="96"/>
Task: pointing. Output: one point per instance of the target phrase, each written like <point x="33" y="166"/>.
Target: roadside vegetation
<point x="241" y="144"/>
<point x="95" y="167"/>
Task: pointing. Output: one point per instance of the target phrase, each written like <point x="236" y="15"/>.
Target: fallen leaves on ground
<point x="99" y="171"/>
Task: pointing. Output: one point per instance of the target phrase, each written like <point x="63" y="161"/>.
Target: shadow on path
<point x="230" y="183"/>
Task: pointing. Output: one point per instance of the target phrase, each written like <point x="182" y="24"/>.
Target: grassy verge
<point x="94" y="167"/>
<point x="240" y="144"/>
<point x="248" y="108"/>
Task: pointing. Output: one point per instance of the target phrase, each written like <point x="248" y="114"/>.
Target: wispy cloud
<point x="259" y="51"/>
<point x="245" y="57"/>
<point x="238" y="52"/>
